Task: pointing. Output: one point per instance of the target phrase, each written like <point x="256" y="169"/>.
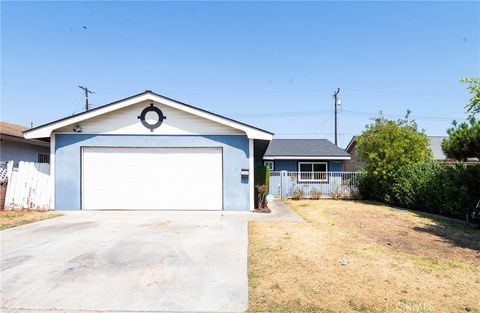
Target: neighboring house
<point x="304" y="155"/>
<point x="355" y="163"/>
<point x="307" y="166"/>
<point x="150" y="152"/>
<point x="14" y="147"/>
<point x="437" y="151"/>
<point x="435" y="144"/>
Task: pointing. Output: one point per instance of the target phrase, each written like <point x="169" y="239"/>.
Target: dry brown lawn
<point x="397" y="261"/>
<point x="10" y="219"/>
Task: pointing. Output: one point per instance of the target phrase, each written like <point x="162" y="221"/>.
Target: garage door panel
<point x="152" y="179"/>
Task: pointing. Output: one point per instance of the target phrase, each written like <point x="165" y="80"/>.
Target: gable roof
<point x="319" y="149"/>
<point x="15" y="133"/>
<point x="351" y="144"/>
<point x="46" y="129"/>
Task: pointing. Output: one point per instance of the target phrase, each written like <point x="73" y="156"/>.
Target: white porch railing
<point x="285" y="184"/>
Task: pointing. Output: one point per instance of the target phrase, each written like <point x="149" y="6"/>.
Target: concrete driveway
<point x="127" y="261"/>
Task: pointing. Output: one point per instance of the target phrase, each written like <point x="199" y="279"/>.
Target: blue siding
<point x="285" y="165"/>
<point x="292" y="165"/>
<point x="335" y="166"/>
<point x="21" y="151"/>
<point x="68" y="152"/>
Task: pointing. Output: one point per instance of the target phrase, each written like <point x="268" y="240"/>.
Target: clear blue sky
<point x="273" y="65"/>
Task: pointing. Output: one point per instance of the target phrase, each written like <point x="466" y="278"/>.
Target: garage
<point x="149" y="152"/>
<point x="151" y="178"/>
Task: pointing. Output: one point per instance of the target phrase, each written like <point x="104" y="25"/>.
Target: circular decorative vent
<point x="152" y="117"/>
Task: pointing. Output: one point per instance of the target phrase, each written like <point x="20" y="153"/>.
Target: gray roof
<point x="304" y="147"/>
<point x="436" y="146"/>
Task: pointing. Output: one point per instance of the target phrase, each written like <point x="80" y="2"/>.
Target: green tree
<point x="473" y="87"/>
<point x="386" y="146"/>
<point x="463" y="140"/>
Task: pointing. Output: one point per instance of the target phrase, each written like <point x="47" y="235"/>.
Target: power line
<point x="344" y="112"/>
<point x="281" y="114"/>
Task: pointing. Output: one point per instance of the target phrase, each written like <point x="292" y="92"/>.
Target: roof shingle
<point x="12" y="129"/>
<point x="304" y="147"/>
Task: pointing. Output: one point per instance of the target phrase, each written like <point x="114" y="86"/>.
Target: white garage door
<point x="152" y="178"/>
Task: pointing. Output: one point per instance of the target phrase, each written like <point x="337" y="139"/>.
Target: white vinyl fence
<point x="285" y="184"/>
<point x="28" y="186"/>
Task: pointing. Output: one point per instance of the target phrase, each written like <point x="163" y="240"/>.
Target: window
<point x="43" y="158"/>
<point x="312" y="171"/>
<point x="269" y="164"/>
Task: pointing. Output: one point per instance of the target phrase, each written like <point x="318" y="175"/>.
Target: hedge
<point x="430" y="186"/>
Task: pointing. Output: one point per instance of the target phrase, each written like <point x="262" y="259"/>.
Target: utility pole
<point x="337" y="103"/>
<point x="86" y="95"/>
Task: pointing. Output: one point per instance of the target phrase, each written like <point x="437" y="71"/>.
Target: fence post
<point x="283" y="184"/>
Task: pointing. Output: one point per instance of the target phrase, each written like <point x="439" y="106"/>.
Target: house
<point x="435" y="144"/>
<point x="439" y="156"/>
<point x="14" y="147"/>
<point x="307" y="166"/>
<point x="304" y="155"/>
<point x="355" y="163"/>
<point x="150" y="152"/>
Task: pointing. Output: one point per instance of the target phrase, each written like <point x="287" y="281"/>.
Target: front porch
<point x="284" y="184"/>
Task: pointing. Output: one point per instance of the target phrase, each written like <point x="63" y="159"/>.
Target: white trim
<point x="313" y="179"/>
<point x="272" y="168"/>
<point x="52" y="172"/>
<point x="109" y="134"/>
<point x="251" y="175"/>
<point x="351" y="143"/>
<point x="302" y="157"/>
<point x="46" y="131"/>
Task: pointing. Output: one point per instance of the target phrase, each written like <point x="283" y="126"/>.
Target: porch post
<point x="52" y="171"/>
<point x="251" y="174"/>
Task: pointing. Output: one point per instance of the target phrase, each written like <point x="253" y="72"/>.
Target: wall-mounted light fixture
<point x="77" y="129"/>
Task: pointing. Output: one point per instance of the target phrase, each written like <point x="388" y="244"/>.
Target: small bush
<point x="316" y="194"/>
<point x="298" y="194"/>
<point x="262" y="191"/>
<point x="336" y="193"/>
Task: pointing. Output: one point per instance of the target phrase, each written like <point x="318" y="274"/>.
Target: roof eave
<point x="46" y="130"/>
<point x="305" y="157"/>
<point x="24" y="140"/>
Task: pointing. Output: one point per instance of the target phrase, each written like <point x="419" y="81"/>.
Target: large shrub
<point x="473" y="87"/>
<point x="387" y="146"/>
<point x="437" y="188"/>
<point x="463" y="140"/>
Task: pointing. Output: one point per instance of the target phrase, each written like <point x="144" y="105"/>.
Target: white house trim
<point x="302" y="157"/>
<point x="46" y="130"/>
<point x="251" y="176"/>
<point x="52" y="171"/>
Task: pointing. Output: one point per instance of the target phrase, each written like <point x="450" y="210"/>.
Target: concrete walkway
<point x="280" y="213"/>
<point x="131" y="262"/>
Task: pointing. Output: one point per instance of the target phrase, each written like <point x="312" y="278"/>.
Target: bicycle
<point x="473" y="216"/>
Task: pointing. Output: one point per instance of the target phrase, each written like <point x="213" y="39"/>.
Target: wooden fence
<point x="28" y="186"/>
